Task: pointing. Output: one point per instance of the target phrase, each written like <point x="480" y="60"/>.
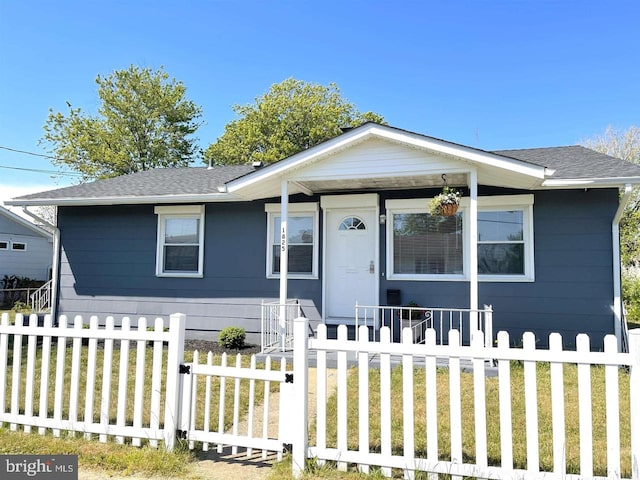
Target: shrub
<point x="21" y="307"/>
<point x="631" y="293"/>
<point x="232" y="337"/>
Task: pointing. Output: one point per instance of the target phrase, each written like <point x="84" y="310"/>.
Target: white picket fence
<point x="29" y="399"/>
<point x="136" y="415"/>
<point x="344" y="450"/>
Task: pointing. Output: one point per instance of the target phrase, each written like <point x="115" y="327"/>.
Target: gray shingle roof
<point x="569" y="162"/>
<point x="161" y="181"/>
<point x="575" y="162"/>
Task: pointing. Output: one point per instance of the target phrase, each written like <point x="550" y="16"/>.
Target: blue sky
<point x="489" y="74"/>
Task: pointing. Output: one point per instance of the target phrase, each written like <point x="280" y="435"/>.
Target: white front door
<point x="351" y="261"/>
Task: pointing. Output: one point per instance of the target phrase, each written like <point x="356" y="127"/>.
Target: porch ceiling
<point x="381" y="183"/>
<point x="486" y="176"/>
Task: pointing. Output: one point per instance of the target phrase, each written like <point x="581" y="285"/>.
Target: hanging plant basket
<point x="445" y="204"/>
<point x="448" y="210"/>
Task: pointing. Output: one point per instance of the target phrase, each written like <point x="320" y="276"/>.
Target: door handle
<point x="372" y="267"/>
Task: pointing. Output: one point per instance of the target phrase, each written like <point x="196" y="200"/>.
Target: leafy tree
<point x="624" y="145"/>
<point x="144" y="121"/>
<point x="292" y="116"/>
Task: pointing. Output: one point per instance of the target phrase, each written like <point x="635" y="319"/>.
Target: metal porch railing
<point x="41" y="298"/>
<point x="277" y="333"/>
<point x="418" y="319"/>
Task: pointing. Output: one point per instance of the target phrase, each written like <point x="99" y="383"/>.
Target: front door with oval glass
<point x="351" y="262"/>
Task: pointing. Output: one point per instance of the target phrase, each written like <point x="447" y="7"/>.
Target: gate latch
<point x="288" y="378"/>
<point x="184" y="369"/>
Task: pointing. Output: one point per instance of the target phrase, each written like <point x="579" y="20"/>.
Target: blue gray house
<point x="536" y="236"/>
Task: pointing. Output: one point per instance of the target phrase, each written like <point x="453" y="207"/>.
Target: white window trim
<point x="489" y="203"/>
<point x="14" y="249"/>
<point x="295" y="210"/>
<point x="179" y="211"/>
<point x="523" y="203"/>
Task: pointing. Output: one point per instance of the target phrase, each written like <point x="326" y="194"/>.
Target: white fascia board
<point x="125" y="200"/>
<point x="591" y="182"/>
<point x="293" y="162"/>
<point x="474" y="155"/>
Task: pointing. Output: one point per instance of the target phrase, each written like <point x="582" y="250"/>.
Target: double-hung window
<point x="180" y="249"/>
<point x="425" y="247"/>
<point x="302" y="240"/>
<point x="505" y="238"/>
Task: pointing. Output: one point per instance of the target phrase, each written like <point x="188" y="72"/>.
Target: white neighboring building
<point x="25" y="249"/>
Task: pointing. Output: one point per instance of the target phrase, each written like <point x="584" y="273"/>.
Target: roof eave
<point x="610" y="182"/>
<point x="147" y="200"/>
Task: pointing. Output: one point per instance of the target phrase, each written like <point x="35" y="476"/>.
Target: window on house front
<point x="501" y="244"/>
<point x="19" y="246"/>
<point x="4" y="245"/>
<point x="302" y="240"/>
<point x="180" y="249"/>
<point x="427" y="245"/>
<point x="505" y="238"/>
<point x="422" y="247"/>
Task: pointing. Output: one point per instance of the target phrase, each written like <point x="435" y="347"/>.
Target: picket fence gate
<point x="274" y="430"/>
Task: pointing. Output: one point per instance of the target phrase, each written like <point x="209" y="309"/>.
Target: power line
<point x="28" y="153"/>
<point x="36" y="170"/>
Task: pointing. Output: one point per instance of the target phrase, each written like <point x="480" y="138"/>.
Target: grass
<point x="109" y="457"/>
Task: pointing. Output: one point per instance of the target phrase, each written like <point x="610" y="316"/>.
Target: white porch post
<point x="284" y="260"/>
<point x="473" y="249"/>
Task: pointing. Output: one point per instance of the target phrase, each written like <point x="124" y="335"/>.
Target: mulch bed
<point x="205" y="346"/>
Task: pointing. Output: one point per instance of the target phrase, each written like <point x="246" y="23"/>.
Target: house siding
<point x="108" y="268"/>
<point x="109" y="254"/>
<point x="573" y="288"/>
<point x="34" y="262"/>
